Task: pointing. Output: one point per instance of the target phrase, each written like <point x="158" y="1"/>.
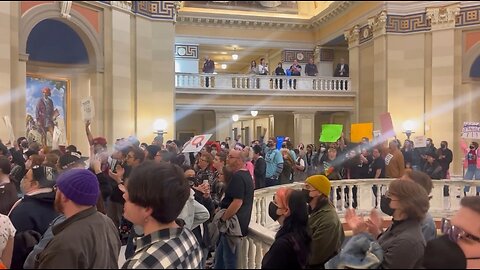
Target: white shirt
<point x="7" y="231"/>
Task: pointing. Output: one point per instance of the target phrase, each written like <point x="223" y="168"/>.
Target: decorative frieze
<point x="443" y="17"/>
<point x="186" y="51"/>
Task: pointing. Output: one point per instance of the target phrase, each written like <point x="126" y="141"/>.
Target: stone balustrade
<point x="262" y="82"/>
<point x="262" y="228"/>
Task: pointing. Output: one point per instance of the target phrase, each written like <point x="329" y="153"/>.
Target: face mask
<point x="322" y="149"/>
<point x="306" y="194"/>
<point x="428" y="143"/>
<point x="385" y="205"/>
<point x="272" y="211"/>
<point x="442" y="253"/>
<point x="270" y="144"/>
<point x="191" y="180"/>
<point x="472" y="147"/>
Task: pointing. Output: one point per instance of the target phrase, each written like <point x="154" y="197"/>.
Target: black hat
<point x="44" y="175"/>
<point x="71" y="158"/>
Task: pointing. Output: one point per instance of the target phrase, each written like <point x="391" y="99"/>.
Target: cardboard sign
<point x="471" y="130"/>
<point x="331" y="132"/>
<point x="377" y="134"/>
<point x="196" y="143"/>
<point x="358" y="131"/>
<point x="420" y="141"/>
<point x="88" y="109"/>
<point x="9" y="127"/>
<point x="387" y="125"/>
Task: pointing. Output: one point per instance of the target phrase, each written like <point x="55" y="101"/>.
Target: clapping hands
<point x="358" y="225"/>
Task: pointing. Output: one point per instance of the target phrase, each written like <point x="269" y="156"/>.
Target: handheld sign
<point x="197" y="143"/>
<point x="8" y="124"/>
<point x="387" y="125"/>
<point x="88" y="109"/>
<point x="471" y="130"/>
<point x="331" y="132"/>
<point x="420" y="141"/>
<point x="358" y="131"/>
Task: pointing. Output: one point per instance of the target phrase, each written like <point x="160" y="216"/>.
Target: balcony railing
<point x="262" y="228"/>
<point x="259" y="82"/>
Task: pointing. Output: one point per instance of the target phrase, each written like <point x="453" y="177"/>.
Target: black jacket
<point x="34" y="213"/>
<point x="259" y="172"/>
<point x="286" y="253"/>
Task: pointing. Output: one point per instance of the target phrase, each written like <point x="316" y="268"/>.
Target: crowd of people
<point x="59" y="209"/>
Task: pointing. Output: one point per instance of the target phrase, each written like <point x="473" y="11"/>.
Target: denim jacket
<point x="360" y="252"/>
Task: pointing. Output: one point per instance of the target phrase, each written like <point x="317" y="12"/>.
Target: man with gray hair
<point x="238" y="201"/>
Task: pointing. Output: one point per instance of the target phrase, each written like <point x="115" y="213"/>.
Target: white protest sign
<point x="377" y="133"/>
<point x="420" y="141"/>
<point x="8" y="124"/>
<point x="196" y="143"/>
<point x="88" y="109"/>
<point x="471" y="130"/>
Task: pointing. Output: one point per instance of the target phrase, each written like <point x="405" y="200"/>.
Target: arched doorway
<point x="65" y="56"/>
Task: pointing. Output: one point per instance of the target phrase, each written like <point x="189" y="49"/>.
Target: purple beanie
<point x="80" y="186"/>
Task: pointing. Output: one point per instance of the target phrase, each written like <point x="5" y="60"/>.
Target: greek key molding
<point x="186" y="51"/>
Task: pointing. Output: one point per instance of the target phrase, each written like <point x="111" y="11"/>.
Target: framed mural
<point x="46" y="108"/>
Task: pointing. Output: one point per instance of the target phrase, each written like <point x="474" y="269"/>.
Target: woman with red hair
<point x="289" y="208"/>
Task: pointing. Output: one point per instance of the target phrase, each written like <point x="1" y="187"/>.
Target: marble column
<point x="352" y="36"/>
<point x="5" y="67"/>
<point x="380" y="92"/>
<point x="441" y="118"/>
<point x="122" y="94"/>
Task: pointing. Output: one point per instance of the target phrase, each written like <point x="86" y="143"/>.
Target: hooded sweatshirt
<point x="34" y="212"/>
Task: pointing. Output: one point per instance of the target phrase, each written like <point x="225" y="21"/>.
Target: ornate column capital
<point x="378" y="24"/>
<point x="352" y="36"/>
<point x="125" y="5"/>
<point x="443" y="17"/>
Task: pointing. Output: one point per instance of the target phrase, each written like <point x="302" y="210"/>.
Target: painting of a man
<point x="45" y="107"/>
<point x="44" y="114"/>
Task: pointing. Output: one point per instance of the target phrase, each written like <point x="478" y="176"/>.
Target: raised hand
<point x="375" y="223"/>
<point x="356" y="223"/>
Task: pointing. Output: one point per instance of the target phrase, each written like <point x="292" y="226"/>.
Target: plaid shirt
<point x="169" y="248"/>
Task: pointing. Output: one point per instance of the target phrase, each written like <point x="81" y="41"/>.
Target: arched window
<point x="53" y="41"/>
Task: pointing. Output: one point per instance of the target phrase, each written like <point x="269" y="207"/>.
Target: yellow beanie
<point x="320" y="183"/>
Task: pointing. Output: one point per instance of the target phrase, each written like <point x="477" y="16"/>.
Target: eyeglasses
<point x="389" y="195"/>
<point x="456" y="233"/>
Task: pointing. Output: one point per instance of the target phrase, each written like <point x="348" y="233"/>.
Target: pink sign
<point x="387" y="125"/>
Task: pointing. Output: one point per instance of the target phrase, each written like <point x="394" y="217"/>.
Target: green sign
<point x="331" y="132"/>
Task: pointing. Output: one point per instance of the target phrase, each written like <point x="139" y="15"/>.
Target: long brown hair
<point x="412" y="197"/>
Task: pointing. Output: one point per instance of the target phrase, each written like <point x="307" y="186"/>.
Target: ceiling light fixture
<point x="254" y="113"/>
<point x="224" y="66"/>
<point x="234" y="55"/>
<point x="235" y="117"/>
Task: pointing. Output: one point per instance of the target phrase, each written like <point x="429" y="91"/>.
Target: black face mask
<point x="472" y="147"/>
<point x="385" y="205"/>
<point x="442" y="253"/>
<point x="191" y="180"/>
<point x="306" y="194"/>
<point x="444" y="146"/>
<point x="272" y="211"/>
